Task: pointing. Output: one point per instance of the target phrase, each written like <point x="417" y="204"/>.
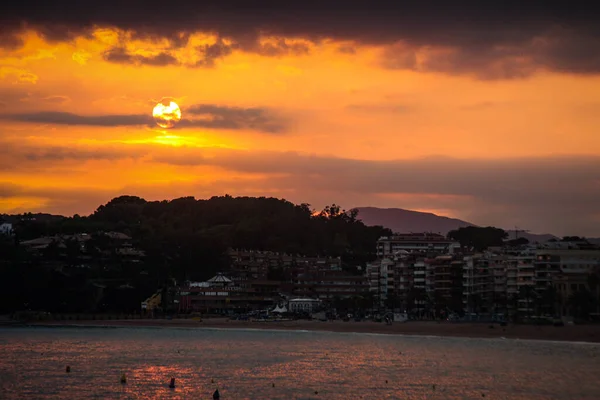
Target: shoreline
<point x="575" y="333"/>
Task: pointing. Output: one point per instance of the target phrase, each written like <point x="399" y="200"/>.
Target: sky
<point x="485" y="113"/>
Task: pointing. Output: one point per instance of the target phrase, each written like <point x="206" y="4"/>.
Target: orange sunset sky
<point x="487" y="115"/>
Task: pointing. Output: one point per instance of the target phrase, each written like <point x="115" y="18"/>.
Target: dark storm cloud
<point x="121" y="56"/>
<point x="65" y="118"/>
<point x="491" y="39"/>
<point x="282" y="47"/>
<point x="210" y="53"/>
<point x="561" y="49"/>
<point x="220" y="117"/>
<point x="202" y="116"/>
<point x="9" y="38"/>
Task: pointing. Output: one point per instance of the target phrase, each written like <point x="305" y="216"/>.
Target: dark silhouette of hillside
<point x="405" y="221"/>
<point x="15" y="218"/>
<point x="181" y="239"/>
<point x="400" y="220"/>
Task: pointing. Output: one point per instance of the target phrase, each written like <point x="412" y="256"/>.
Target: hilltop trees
<point x="183" y="239"/>
<point x="479" y="238"/>
<point x="187" y="238"/>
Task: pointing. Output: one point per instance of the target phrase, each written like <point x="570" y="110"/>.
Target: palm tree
<point x="548" y="300"/>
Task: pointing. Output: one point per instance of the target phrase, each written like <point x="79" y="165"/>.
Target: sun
<point x="166" y="113"/>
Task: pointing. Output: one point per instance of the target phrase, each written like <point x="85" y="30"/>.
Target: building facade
<point x="388" y="246"/>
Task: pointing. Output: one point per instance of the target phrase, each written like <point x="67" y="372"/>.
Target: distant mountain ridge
<point x="405" y="221"/>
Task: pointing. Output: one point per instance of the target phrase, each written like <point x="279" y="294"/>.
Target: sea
<point x="262" y="364"/>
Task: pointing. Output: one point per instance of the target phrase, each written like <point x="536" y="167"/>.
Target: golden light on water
<point x="166" y="114"/>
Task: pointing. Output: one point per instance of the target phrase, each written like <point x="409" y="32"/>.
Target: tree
<point x="479" y="238"/>
<point x="518" y="242"/>
<point x="573" y="239"/>
<point x="582" y="303"/>
<point x="548" y="301"/>
<point x="392" y="302"/>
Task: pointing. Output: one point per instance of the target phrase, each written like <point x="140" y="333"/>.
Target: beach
<point x="571" y="333"/>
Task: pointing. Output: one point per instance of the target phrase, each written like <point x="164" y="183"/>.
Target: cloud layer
<point x="203" y="116"/>
<point x="491" y="39"/>
<point x="555" y="194"/>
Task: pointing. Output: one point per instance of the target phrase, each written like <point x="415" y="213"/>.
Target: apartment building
<point x="568" y="271"/>
<point x="248" y="265"/>
<point x="388" y="246"/>
<point x="477" y="284"/>
<point x="446" y="282"/>
<point x="325" y="285"/>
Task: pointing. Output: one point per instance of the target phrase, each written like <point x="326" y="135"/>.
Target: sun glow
<point x="166" y="113"/>
<point x="173" y="140"/>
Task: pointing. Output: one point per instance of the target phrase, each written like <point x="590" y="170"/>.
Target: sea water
<point x="246" y="364"/>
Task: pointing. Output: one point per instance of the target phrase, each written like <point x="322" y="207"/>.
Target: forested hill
<point x="187" y="234"/>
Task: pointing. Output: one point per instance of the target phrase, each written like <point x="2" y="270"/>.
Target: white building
<point x="303" y="305"/>
<point x="6" y="228"/>
<point x="380" y="274"/>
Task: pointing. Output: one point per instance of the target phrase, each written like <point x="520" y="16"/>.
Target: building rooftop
<point x="425" y="236"/>
<point x="219" y="278"/>
<point x="303" y="299"/>
<point x="118" y="236"/>
<point x="200" y="284"/>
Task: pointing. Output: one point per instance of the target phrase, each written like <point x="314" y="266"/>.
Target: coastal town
<point x="425" y="276"/>
<point x="415" y="276"/>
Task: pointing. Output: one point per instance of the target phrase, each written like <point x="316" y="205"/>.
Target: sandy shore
<point x="576" y="333"/>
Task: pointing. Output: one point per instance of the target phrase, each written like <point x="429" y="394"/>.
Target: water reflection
<point x="287" y="365"/>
